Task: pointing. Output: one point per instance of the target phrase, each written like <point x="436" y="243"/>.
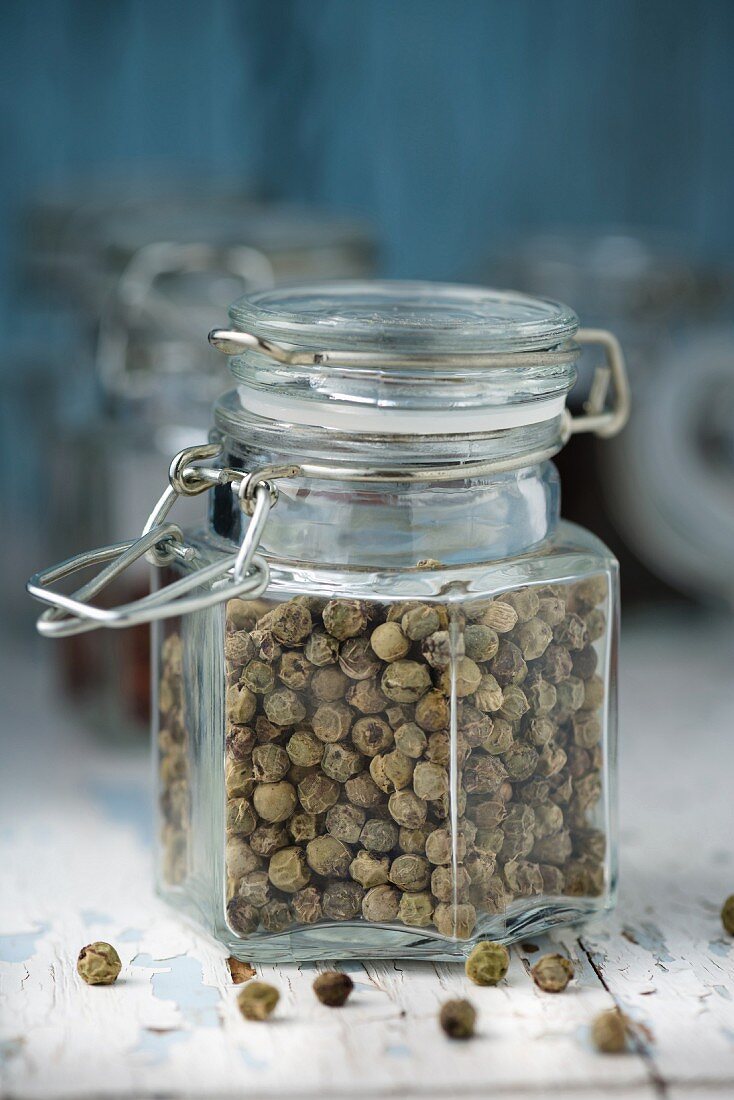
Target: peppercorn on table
<point x="75" y="832"/>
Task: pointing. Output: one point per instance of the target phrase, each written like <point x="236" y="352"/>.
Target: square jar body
<point x="367" y="764"/>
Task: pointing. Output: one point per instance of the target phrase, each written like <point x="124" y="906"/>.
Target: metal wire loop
<point x="188" y="480"/>
<point x="243" y="573"/>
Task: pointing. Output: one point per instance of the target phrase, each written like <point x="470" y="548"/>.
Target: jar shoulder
<point x="570" y="553"/>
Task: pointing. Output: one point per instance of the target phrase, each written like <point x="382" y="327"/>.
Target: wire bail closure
<point x="246" y="572"/>
<point x="162" y="543"/>
<point x="596" y="417"/>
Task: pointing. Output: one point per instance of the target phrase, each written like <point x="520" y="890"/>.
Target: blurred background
<point x="160" y="157"/>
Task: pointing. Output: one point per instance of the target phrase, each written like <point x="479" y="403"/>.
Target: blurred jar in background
<point x="148" y="280"/>
<point x="666" y="506"/>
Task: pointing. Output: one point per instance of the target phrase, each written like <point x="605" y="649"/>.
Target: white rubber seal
<point x="371" y="418"/>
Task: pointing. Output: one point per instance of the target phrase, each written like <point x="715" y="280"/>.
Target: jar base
<point x="356" y="940"/>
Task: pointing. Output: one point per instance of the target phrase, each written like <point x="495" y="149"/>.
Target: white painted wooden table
<point x="75" y="866"/>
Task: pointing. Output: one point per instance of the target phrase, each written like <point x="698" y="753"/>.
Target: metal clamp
<point x="250" y="575"/>
<point x="597" y="419"/>
<point x="137" y="298"/>
<point x="604" y="422"/>
<point x="237" y="341"/>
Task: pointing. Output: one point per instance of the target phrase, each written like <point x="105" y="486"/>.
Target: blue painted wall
<point x="448" y="122"/>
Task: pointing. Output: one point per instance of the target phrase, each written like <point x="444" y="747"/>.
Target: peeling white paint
<point x="74" y="867"/>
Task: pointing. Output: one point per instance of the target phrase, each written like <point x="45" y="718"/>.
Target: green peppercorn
<point x="455" y="921"/>
<point x="371" y="736"/>
<point x="332" y="721"/>
<point x="267" y="839"/>
<point x="239" y="857"/>
<point x="345" y="618"/>
<point x="342" y="900"/>
<point x="345" y="822"/>
<point x="552" y="973"/>
<point x="392" y="771"/>
<point x="284" y="708"/>
<point x="329" y="684"/>
<point x="405" y="681"/>
<point x="333" y="988"/>
<point x="464" y="677"/>
<point x="420" y="621"/>
<point x="240" y="817"/>
<point x="487" y="963"/>
<point x="379" y="836"/>
<point x="275" y="916"/>
<point x="287" y="870"/>
<point x="317" y="793"/>
<point x="445" y="883"/>
<point x="257" y="1000"/>
<point x="369" y="870"/>
<point x="500" y="616"/>
<point x="361" y="790"/>
<point x="255" y="889"/>
<point x="407" y="808"/>
<point x="274" y="801"/>
<point x="270" y="763"/>
<point x="294" y="670"/>
<point x="438" y="649"/>
<point x="259" y="677"/>
<point x="430" y="781"/>
<point x="303" y="826"/>
<point x="483" y="774"/>
<point x="291" y="623"/>
<point x="458" y="1019"/>
<point x="239" y="648"/>
<point x="480" y="642"/>
<point x="98" y="963"/>
<point x="240" y="742"/>
<point x="304" y="749"/>
<point x="524" y="601"/>
<point x="306" y="905"/>
<point x="609" y="1031"/>
<point x="367" y="696"/>
<point x="389" y="642"/>
<point x="416" y="910"/>
<point x="380" y="903"/>
<point x="321" y="649"/>
<point x="241" y="704"/>
<point x="727" y="915"/>
<point x="340" y="762"/>
<point x="410" y="739"/>
<point x="242" y="917"/>
<point x="432" y="711"/>
<point x="410" y="873"/>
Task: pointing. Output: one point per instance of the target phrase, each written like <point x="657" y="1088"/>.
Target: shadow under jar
<point x="403" y="739"/>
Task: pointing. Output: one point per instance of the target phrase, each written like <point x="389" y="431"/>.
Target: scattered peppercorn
<point x="98" y="963"/>
<point x="552" y="973"/>
<point x="333" y="988"/>
<point x="458" y="1018"/>
<point x="487" y="963"/>
<point x="257" y="1000"/>
<point x="727" y="915"/>
<point x="609" y="1031"/>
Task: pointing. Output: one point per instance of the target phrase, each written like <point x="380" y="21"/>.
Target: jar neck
<point x="392" y="524"/>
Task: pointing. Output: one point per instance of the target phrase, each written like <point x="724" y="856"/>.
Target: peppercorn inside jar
<point x="419" y="764"/>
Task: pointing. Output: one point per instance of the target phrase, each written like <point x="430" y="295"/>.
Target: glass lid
<point x="400" y="357"/>
<point x="409" y="317"/>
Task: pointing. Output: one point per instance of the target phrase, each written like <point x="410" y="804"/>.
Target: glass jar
<point x="385" y="693"/>
<point x="151" y="275"/>
<point x="667" y="482"/>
